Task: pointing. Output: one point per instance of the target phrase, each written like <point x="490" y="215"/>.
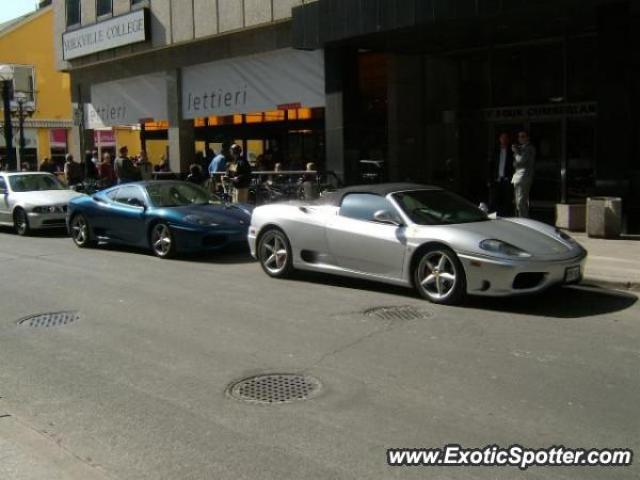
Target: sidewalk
<point x="612" y="263"/>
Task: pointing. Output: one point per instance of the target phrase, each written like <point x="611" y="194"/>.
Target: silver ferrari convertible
<point x="416" y="236"/>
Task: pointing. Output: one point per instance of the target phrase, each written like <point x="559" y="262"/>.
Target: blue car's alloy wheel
<point x="162" y="242"/>
<point x="80" y="232"/>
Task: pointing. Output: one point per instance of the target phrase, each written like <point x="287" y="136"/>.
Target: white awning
<point x="256" y="83"/>
<point x="127" y="101"/>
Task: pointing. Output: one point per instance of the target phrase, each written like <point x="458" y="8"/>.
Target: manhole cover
<point x="275" y="388"/>
<point x="400" y="312"/>
<point x="54" y="319"/>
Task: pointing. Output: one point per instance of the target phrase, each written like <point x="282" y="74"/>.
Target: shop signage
<point x="255" y="83"/>
<point x="30" y="138"/>
<point x="127" y="101"/>
<point x="583" y="109"/>
<point x="58" y="138"/>
<point x="104" y="138"/>
<point x="116" y="32"/>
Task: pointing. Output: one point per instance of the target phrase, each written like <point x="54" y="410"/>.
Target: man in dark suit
<point x="500" y="174"/>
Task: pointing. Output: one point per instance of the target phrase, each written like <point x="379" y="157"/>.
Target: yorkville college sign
<point x="115" y="32"/>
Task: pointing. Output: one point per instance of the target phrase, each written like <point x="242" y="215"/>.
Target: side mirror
<point x="384" y="216"/>
<point x="3" y="191"/>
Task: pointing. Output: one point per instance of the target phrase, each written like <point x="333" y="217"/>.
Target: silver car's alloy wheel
<point x="80" y="231"/>
<point x="162" y="240"/>
<point x="274" y="253"/>
<point x="437" y="274"/>
<point x="21" y="222"/>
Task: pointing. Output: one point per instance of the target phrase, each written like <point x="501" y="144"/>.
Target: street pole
<point x="8" y="128"/>
<point x="80" y="119"/>
<point x="21" y="116"/>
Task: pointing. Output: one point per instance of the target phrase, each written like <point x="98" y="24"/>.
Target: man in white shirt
<point x="524" y="164"/>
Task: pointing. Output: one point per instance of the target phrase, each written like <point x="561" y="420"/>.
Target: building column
<point x="614" y="99"/>
<point x="181" y="132"/>
<point x="341" y="99"/>
<point x="405" y="118"/>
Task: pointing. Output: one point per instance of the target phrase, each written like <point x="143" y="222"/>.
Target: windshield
<point x="438" y="207"/>
<point x="171" y="194"/>
<point x="34" y="183"/>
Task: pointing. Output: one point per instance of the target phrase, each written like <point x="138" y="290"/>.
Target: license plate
<point x="572" y="274"/>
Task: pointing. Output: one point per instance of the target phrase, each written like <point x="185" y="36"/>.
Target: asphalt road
<point x="135" y="389"/>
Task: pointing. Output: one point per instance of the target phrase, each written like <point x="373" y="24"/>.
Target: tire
<point x="162" y="241"/>
<point x="80" y="231"/>
<point x="274" y="253"/>
<point x="439" y="276"/>
<point x="21" y="222"/>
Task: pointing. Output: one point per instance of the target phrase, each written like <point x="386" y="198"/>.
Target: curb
<point x="611" y="284"/>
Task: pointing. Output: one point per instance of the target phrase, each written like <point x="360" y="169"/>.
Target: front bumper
<point x="500" y="278"/>
<point x="208" y="239"/>
<point x="41" y="221"/>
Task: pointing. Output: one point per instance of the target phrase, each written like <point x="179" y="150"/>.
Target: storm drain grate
<point x="275" y="388"/>
<point x="399" y="312"/>
<point x="48" y="320"/>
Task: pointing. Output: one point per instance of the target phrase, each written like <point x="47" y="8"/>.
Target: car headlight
<point x="498" y="246"/>
<point x="196" y="220"/>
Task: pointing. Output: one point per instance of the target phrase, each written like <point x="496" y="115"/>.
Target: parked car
<point x="167" y="216"/>
<point x="33" y="201"/>
<point x="416" y="236"/>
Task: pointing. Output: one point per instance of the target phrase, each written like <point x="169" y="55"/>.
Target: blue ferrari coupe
<point x="169" y="217"/>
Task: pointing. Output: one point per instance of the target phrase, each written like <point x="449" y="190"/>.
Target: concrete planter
<point x="571" y="216"/>
<point x="604" y="217"/>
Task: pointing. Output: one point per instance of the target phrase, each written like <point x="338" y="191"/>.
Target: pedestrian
<point x="47" y="166"/>
<point x="240" y="175"/>
<point x="144" y="166"/>
<point x="163" y="166"/>
<point x="500" y="175"/>
<point x="124" y="169"/>
<point x="309" y="184"/>
<point x="524" y="164"/>
<point x="95" y="159"/>
<point x="195" y="174"/>
<point x="89" y="168"/>
<point x="72" y="171"/>
<point x="218" y="167"/>
<point x="106" y="174"/>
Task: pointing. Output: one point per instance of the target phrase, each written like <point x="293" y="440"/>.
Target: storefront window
<point x="582" y="68"/>
<point x="104" y="7"/>
<point x="73" y="12"/>
<point x="529" y="74"/>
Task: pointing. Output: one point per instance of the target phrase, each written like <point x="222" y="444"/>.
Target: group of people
<point x="106" y="171"/>
<point x="230" y="164"/>
<point x="511" y="175"/>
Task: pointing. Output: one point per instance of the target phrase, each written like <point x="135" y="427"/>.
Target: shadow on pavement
<point x="228" y="256"/>
<point x="560" y="302"/>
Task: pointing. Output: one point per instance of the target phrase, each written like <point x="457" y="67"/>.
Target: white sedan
<point x="33" y="201"/>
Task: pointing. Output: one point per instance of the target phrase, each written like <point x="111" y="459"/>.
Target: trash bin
<point x="604" y="217"/>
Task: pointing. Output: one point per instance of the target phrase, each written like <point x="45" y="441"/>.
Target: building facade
<point x="429" y="85"/>
<point x="419" y="88"/>
<point x="186" y="75"/>
<point x="47" y="133"/>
